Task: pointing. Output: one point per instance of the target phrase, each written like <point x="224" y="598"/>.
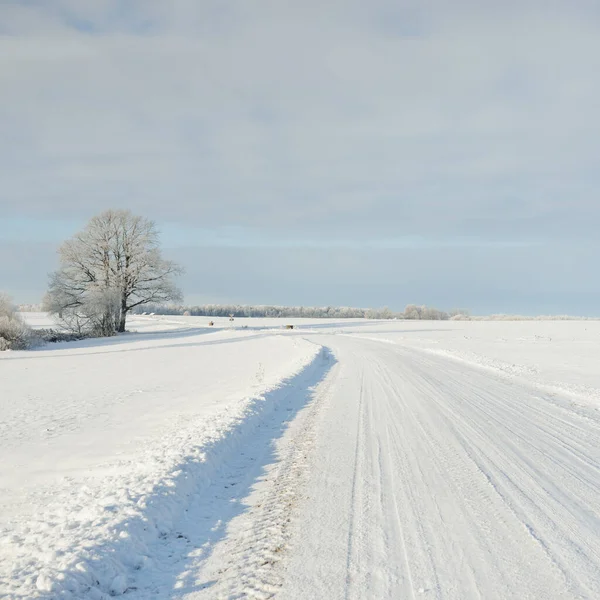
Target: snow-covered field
<point x="350" y="459"/>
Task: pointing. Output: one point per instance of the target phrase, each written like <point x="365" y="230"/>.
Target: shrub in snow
<point x="459" y="314"/>
<point x="460" y="317"/>
<point x="14" y="332"/>
<point x="54" y="335"/>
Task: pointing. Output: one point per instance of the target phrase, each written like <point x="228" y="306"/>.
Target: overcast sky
<point x="332" y="152"/>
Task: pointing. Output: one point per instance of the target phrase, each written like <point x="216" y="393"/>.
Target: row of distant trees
<point x="412" y="311"/>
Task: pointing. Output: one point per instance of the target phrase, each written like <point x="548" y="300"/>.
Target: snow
<point x="99" y="446"/>
<point x="39" y="320"/>
<point x="557" y="355"/>
<point x="432" y="475"/>
<point x="342" y="459"/>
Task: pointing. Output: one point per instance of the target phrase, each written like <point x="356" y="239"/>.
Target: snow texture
<point x="351" y="459"/>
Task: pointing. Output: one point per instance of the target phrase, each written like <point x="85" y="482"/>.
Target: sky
<point x="318" y="153"/>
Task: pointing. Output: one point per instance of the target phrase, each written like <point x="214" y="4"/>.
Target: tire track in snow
<point x="396" y="500"/>
<point x="461" y="488"/>
<point x="354" y="494"/>
<point x="469" y="486"/>
<point x="530" y="487"/>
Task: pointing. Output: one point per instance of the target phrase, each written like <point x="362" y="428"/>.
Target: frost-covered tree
<point x="14" y="332"/>
<point x="412" y="311"/>
<point x="111" y="267"/>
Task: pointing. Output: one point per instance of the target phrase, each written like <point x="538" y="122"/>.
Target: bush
<point x="14" y="332"/>
<point x="53" y="336"/>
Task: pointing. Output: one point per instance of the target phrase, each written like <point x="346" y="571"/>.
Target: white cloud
<point x="435" y="118"/>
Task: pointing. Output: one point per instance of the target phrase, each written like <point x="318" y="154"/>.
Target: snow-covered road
<point x="351" y="461"/>
<point x="434" y="479"/>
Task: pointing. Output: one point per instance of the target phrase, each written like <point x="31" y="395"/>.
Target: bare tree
<point x="112" y="266"/>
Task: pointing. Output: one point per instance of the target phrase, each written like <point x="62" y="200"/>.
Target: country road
<point x="433" y="479"/>
<point x="421" y="477"/>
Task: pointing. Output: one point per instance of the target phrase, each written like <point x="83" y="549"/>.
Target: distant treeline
<point x="412" y="311"/>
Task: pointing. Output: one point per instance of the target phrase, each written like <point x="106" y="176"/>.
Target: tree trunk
<point x="123" y="316"/>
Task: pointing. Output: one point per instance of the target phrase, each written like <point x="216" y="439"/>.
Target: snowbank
<point x="101" y="448"/>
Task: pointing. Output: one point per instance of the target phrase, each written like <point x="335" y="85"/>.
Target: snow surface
<point x="342" y="459"/>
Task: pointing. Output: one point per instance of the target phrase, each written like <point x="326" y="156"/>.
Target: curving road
<point x="434" y="479"/>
